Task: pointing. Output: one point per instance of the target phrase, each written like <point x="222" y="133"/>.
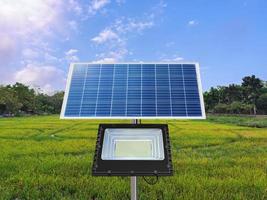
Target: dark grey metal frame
<point x="132" y="167"/>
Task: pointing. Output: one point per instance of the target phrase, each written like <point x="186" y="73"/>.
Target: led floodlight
<point x="132" y="144"/>
<point x="132" y="149"/>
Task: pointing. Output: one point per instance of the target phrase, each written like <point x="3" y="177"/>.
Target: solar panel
<point x="133" y="90"/>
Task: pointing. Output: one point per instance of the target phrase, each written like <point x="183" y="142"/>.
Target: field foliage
<point x="48" y="158"/>
<point x="259" y="121"/>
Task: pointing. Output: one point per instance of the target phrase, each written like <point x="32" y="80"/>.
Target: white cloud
<point x="120" y="2"/>
<point x="113" y="39"/>
<point x="25" y="25"/>
<point x="106" y="60"/>
<point x="71" y="56"/>
<point x="140" y="26"/>
<point x="119" y="28"/>
<point x="29" y="53"/>
<point x="27" y="16"/>
<point x="75" y="6"/>
<point x="38" y="55"/>
<point x="71" y="52"/>
<point x="50" y="58"/>
<point x="170" y="44"/>
<point x="7" y="47"/>
<point x="192" y="23"/>
<point x="104" y="36"/>
<point x="30" y="31"/>
<point x="112" y="56"/>
<point x="48" y="78"/>
<point x="73" y="25"/>
<point x="177" y="58"/>
<point x="97" y="5"/>
<point x="123" y="26"/>
<point x="119" y="54"/>
<point x="174" y="58"/>
<point x="157" y="11"/>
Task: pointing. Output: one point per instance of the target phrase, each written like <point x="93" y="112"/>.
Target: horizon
<point x="36" y="48"/>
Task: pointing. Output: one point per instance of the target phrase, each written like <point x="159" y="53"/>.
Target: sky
<point x="40" y="38"/>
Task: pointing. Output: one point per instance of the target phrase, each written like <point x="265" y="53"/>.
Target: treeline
<point x="248" y="98"/>
<point x="19" y="99"/>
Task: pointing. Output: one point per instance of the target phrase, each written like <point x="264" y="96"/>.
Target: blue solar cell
<point x="88" y="103"/>
<point x="163" y="90"/>
<point x="177" y="90"/>
<point x="133" y="90"/>
<point x="74" y="99"/>
<point x="148" y="90"/>
<point x="105" y="90"/>
<point x="119" y="91"/>
<point x="191" y="90"/>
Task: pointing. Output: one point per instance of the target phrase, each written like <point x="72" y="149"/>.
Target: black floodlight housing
<point x="132" y="150"/>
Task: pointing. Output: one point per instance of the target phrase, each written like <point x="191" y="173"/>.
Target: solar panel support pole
<point x="134" y="178"/>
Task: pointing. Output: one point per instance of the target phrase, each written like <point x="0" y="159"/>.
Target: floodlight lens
<point x="133" y="144"/>
<point x="133" y="148"/>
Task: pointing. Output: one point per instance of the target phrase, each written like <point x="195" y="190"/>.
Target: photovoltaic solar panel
<point x="133" y="90"/>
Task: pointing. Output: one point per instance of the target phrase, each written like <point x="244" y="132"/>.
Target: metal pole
<point x="136" y="121"/>
<point x="134" y="178"/>
<point x="133" y="188"/>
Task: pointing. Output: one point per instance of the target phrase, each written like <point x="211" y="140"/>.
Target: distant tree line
<point x="19" y="99"/>
<point x="248" y="98"/>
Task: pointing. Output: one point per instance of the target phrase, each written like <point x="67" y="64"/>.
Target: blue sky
<point x="39" y="38"/>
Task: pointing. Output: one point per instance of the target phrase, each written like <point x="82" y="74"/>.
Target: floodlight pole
<point x="134" y="178"/>
<point x="133" y="188"/>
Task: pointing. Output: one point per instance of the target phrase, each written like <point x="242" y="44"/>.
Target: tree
<point x="57" y="100"/>
<point x="49" y="104"/>
<point x="238" y="107"/>
<point x="236" y="98"/>
<point x="252" y="87"/>
<point x="221" y="108"/>
<point x="20" y="99"/>
<point x="262" y="103"/>
<point x="263" y="90"/>
<point x="222" y="94"/>
<point x="233" y="93"/>
<point x="211" y="98"/>
<point x="9" y="101"/>
<point x="43" y="104"/>
<point x="26" y="97"/>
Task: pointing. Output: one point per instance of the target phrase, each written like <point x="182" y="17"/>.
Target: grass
<point x="250" y="121"/>
<point x="48" y="158"/>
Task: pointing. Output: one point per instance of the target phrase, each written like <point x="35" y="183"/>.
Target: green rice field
<point x="48" y="158"/>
